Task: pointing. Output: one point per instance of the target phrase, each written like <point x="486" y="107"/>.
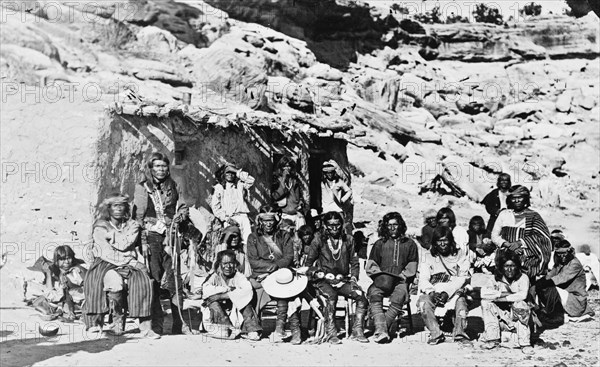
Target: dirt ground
<point x="21" y="344"/>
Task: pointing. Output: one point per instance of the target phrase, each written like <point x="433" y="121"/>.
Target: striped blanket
<point x="139" y="291"/>
<point x="538" y="247"/>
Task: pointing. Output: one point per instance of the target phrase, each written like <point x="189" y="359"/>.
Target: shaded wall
<point x="203" y="148"/>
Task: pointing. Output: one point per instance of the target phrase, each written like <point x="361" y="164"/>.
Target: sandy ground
<point x="21" y="344"/>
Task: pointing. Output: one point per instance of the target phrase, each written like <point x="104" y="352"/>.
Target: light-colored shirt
<point x="116" y="246"/>
<point x="238" y="288"/>
<point x="230" y="200"/>
<point x="457" y="266"/>
<point x="506" y="218"/>
<point x="518" y="289"/>
<point x="334" y="193"/>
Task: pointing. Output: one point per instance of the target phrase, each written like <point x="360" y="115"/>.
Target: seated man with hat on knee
<point x="392" y="265"/>
<point x="271" y="249"/>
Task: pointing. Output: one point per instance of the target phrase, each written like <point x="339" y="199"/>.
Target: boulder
<point x="587" y="102"/>
<point x="325" y="72"/>
<point x="451" y="120"/>
<point x="412" y="26"/>
<point x="532" y="130"/>
<point x="517" y="110"/>
<point x="563" y="102"/>
<point x="157" y="40"/>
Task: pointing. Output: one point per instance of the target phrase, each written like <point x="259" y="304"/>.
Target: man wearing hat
<point x="392" y="265"/>
<point x="556" y="236"/>
<point x="562" y="292"/>
<point x="522" y="230"/>
<point x="271" y="249"/>
<point x="228" y="201"/>
<point x="228" y="288"/>
<point x="335" y="270"/>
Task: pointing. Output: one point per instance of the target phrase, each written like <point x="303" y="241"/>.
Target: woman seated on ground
<point x="443" y="274"/>
<point x="63" y="291"/>
<point x="231" y="239"/>
<point x="482" y="246"/>
<point x="115" y="237"/>
<point x="562" y="292"/>
<point x="504" y="307"/>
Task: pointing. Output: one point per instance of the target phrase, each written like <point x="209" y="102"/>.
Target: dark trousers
<point x="219" y="316"/>
<point x="551" y="312"/>
<point x="163" y="274"/>
<point x="345" y="290"/>
<point x="398" y="297"/>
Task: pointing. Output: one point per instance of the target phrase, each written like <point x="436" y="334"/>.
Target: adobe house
<point x="60" y="159"/>
<point x="198" y="142"/>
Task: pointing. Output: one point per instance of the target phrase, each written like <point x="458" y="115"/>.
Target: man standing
<point x="229" y="198"/>
<point x="286" y="191"/>
<point x="496" y="199"/>
<point x="155" y="202"/>
<point x="228" y="288"/>
<point x="392" y="265"/>
<point x="336" y="272"/>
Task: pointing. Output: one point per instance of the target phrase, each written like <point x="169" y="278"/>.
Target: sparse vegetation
<point x="485" y="14"/>
<point x="455" y="18"/>
<point x="430" y="17"/>
<point x="397" y="8"/>
<point x="531" y="9"/>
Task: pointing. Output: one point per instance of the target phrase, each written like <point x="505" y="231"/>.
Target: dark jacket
<point x="290" y="192"/>
<point x="346" y="265"/>
<point x="258" y="253"/>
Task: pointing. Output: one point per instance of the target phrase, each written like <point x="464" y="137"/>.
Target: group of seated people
<point x="137" y="260"/>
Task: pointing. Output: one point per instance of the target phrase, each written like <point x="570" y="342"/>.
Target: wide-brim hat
<point x="284" y="284"/>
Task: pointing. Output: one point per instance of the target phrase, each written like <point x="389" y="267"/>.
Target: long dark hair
<point x="286" y="160"/>
<point x="221" y="255"/>
<point x="441" y="232"/>
<point x="474" y="220"/>
<point x="333" y="215"/>
<point x="451" y="216"/>
<point x="220" y="176"/>
<point x="385" y="234"/>
<point x="502" y="258"/>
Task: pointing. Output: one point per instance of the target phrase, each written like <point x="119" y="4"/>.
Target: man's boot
<point x="295" y="327"/>
<point x="146" y="328"/>
<point x="381" y="335"/>
<point x="358" y="332"/>
<point x="331" y="331"/>
<point x="460" y="320"/>
<point x="115" y="300"/>
<point x="391" y="318"/>
<point x="157" y="311"/>
<point x="282" y="309"/>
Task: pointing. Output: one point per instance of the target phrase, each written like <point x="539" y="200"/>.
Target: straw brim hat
<point x="284" y="284"/>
